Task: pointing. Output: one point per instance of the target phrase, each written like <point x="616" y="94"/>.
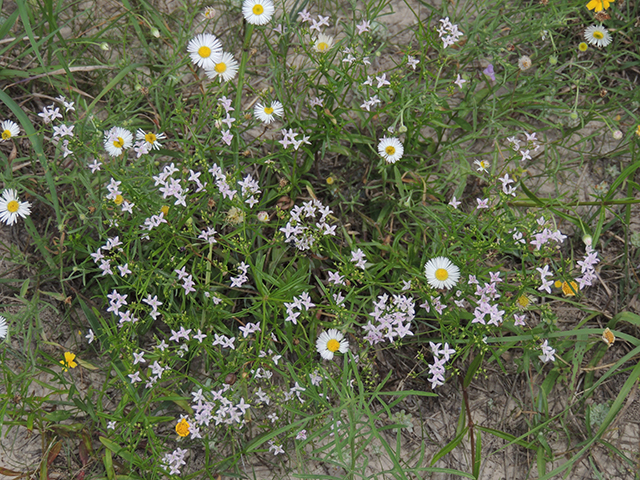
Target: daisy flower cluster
<point x="205" y="51"/>
<point x="303" y="228"/>
<point x="391" y="319"/>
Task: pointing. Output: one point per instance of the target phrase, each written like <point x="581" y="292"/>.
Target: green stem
<point x="238" y="100"/>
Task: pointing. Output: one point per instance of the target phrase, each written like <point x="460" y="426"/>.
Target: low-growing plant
<point x="259" y="208"/>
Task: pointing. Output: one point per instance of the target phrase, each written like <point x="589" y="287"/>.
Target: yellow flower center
<point x="204" y="51"/>
<point x="582" y="47"/>
<point x="333" y="345"/>
<point x="322" y="46"/>
<point x="150" y="137"/>
<point x="119" y="199"/>
<point x="598" y="35"/>
<point x="442" y="274"/>
<point x="165" y="210"/>
<point x="220" y="67"/>
<point x="13" y="206"/>
<point x="390" y="150"/>
<point x="523" y="301"/>
<point x="6" y="135"/>
<point x="258" y="9"/>
<point x="119" y="143"/>
<point x="182" y="428"/>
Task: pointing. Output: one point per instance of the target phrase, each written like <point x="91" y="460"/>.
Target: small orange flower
<point x="608" y="337"/>
<point x="568" y="288"/>
<point x="68" y="361"/>
<point x="182" y="428"/>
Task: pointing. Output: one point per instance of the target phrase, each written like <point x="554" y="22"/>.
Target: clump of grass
<point x="258" y="204"/>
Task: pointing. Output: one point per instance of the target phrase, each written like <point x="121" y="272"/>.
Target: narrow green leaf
<point x="450" y="446"/>
<point x="473" y="368"/>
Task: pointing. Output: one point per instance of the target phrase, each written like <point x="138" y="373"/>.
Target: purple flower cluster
<point x="448" y="32"/>
<point x="304" y="300"/>
<point x="486" y="295"/>
<point x="175" y="460"/>
<point x="436" y="369"/>
<point x="587" y="268"/>
<point x="303" y="229"/>
<point x="391" y="319"/>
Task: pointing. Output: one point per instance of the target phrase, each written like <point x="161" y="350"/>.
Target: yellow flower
<point x="182" y="428"/>
<point x="568" y="288"/>
<point x="582" y="47"/>
<point x="638" y="131"/>
<point x="598" y="5"/>
<point x="68" y="361"/>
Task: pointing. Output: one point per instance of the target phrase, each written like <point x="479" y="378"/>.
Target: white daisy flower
<point x="597" y="35"/>
<point x="390" y="149"/>
<point x="150" y="138"/>
<point x="267" y="113"/>
<point x="116" y="140"/>
<point x="441" y="273"/>
<point x="3" y="327"/>
<point x="331" y="342"/>
<point x="323" y="43"/>
<point x="11" y="207"/>
<point x="224" y="66"/>
<point x="203" y="49"/>
<point x="258" y="12"/>
<point x="8" y="129"/>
